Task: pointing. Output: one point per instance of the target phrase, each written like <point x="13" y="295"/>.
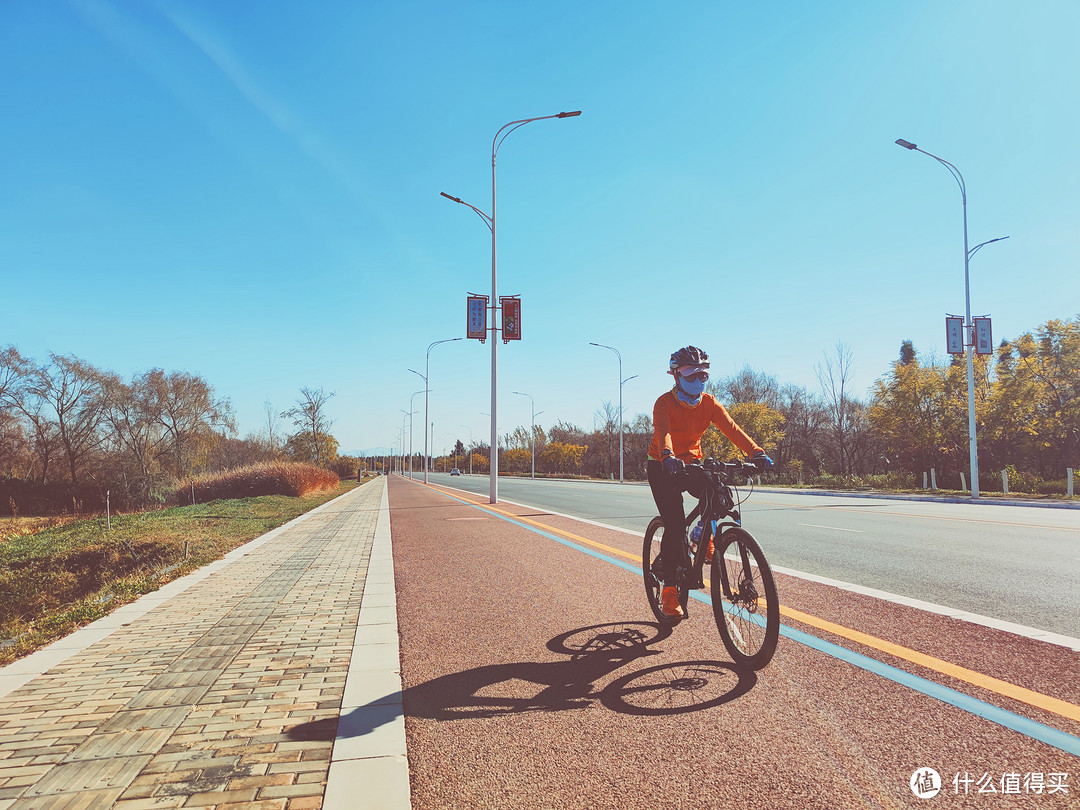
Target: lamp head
<point x="569" y="114"/>
<point x="905" y="144"/>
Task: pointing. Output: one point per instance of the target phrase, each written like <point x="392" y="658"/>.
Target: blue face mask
<point x="690" y="390"/>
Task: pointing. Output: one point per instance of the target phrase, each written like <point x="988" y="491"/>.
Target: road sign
<point x="511" y="318"/>
<point x="954" y="335"/>
<point x="984" y="343"/>
<point x="477" y="320"/>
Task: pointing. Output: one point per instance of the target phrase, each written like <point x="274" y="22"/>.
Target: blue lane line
<point x="988" y="711"/>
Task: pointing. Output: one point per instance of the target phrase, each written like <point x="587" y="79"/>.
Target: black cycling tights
<point x="667" y="491"/>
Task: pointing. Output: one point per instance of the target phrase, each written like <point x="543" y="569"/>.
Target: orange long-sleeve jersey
<point x="679" y="427"/>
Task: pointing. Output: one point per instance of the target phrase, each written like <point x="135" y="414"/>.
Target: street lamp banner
<point x="477" y="320"/>
<point x="511" y="318"/>
<point x="984" y="343"/>
<point x="954" y="335"/>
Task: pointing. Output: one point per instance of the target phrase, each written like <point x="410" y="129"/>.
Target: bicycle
<point x="744" y="600"/>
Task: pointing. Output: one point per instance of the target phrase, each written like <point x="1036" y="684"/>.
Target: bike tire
<point x="652" y="574"/>
<point x="745" y="604"/>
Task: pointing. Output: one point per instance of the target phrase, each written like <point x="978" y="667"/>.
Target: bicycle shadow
<point x="552" y="686"/>
<point x="594" y="653"/>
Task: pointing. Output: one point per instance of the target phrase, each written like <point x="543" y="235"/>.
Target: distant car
<point x="455" y="471"/>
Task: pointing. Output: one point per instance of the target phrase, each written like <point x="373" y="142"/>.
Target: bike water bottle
<point x="695" y="535"/>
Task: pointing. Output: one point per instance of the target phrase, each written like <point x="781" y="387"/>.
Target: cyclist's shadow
<point x="595" y="652"/>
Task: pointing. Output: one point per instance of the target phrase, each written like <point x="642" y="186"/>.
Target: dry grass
<point x="273" y="478"/>
<point x="11" y="527"/>
<point x="65" y="576"/>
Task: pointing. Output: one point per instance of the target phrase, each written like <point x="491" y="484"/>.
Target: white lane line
<point x="953" y="613"/>
<point x="833" y="528"/>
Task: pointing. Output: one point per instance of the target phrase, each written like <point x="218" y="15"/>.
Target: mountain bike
<point x="744" y="601"/>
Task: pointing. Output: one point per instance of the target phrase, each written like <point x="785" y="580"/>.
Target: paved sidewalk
<point x="224" y="688"/>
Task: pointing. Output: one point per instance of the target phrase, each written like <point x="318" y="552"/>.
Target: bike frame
<point x="715" y="524"/>
<point x="744" y="599"/>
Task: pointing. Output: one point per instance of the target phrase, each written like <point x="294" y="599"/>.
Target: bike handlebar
<point x="729" y="469"/>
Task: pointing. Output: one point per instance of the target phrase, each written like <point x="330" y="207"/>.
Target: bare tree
<point x="45" y="438"/>
<point x="13" y="443"/>
<point x="188" y="411"/>
<point x="804" y="420"/>
<point x="309" y="414"/>
<point x="750" y="386"/>
<point x="132" y="413"/>
<point x="639" y="434"/>
<point x="835" y="378"/>
<point x="13" y="369"/>
<point x="271" y="426"/>
<point x="69" y="388"/>
<point x="606" y="420"/>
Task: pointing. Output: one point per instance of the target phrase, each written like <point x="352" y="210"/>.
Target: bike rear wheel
<point x="653" y="574"/>
<point x="745" y="604"/>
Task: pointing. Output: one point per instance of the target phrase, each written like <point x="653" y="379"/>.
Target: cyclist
<point x="680" y="419"/>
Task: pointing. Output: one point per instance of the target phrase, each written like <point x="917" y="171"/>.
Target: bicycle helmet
<point x="687" y="359"/>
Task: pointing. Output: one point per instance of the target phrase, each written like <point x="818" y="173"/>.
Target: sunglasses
<point x="700" y="376"/>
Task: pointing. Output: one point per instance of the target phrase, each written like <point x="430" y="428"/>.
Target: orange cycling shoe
<point x="669" y="602"/>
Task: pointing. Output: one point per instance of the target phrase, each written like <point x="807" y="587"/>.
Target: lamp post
<point x="401" y="445"/>
<point x="969" y="326"/>
<point x="408" y="416"/>
<point x="621" y="381"/>
<point x="497" y="142"/>
<point x="427" y="385"/>
<point x="532" y="432"/>
<point x="485" y="413"/>
<point x="411" y="431"/>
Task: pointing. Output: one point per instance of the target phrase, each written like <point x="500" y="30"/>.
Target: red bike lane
<point x="534" y="675"/>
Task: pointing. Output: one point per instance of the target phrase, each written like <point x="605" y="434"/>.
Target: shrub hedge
<point x="18" y="497"/>
<point x="272" y="478"/>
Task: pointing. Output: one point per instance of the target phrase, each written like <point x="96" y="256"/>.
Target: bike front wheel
<point x="652" y="571"/>
<point x="745" y="604"/>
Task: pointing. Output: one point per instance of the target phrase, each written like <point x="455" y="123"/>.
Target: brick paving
<point x="226" y="695"/>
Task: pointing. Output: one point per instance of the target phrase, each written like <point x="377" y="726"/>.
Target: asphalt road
<point x="1010" y="563"/>
<point x="535" y="677"/>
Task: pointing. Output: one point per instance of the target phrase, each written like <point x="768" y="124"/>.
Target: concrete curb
<point x="369" y="766"/>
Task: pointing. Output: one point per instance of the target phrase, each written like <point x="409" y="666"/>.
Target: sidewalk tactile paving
<point x="228" y="692"/>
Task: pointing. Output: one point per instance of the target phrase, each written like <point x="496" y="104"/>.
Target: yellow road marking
<point x="1054" y="705"/>
<point x="1041" y="701"/>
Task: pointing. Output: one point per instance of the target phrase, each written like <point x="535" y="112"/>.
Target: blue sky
<point x="250" y="192"/>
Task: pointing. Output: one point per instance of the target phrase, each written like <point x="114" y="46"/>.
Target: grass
<point x="18" y="526"/>
<point x="64" y="576"/>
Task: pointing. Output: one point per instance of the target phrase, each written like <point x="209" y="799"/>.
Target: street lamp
<point x="497" y="142"/>
<point x="973" y="449"/>
<point x="408" y="416"/>
<point x="424" y="377"/>
<point x="411" y="431"/>
<point x="975" y="249"/>
<point x="621" y="381"/>
<point x="401" y="444"/>
<point x="532" y="433"/>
